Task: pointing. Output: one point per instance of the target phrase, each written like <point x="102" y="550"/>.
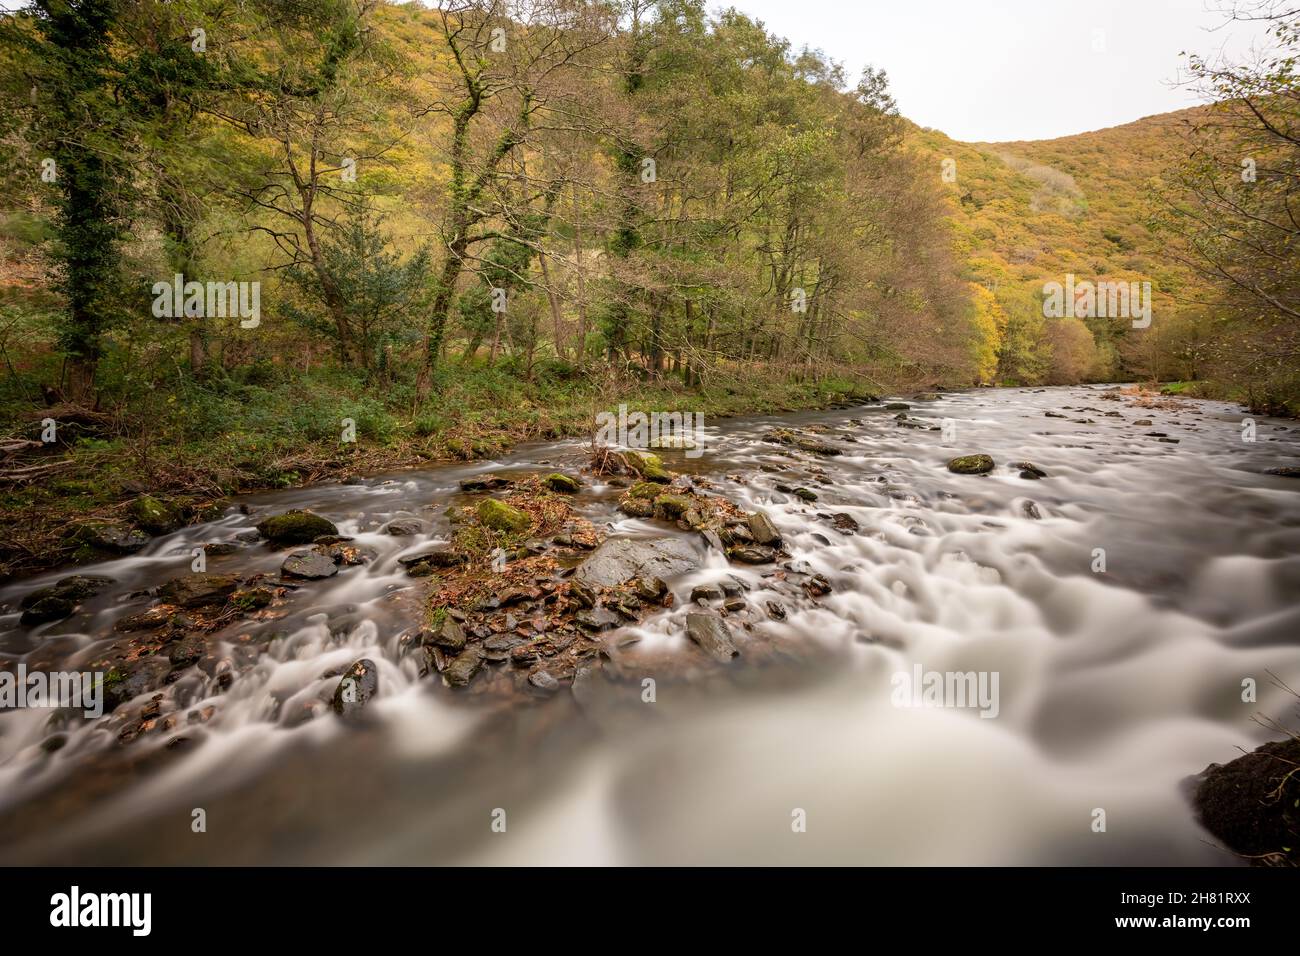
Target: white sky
<point x="994" y="70"/>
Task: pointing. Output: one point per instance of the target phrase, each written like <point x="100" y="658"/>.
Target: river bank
<point x="110" y="487"/>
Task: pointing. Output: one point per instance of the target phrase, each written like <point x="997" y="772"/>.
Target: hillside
<point x="1030" y="212"/>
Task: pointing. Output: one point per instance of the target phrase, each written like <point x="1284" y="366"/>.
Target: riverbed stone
<point x="1028" y="469"/>
<point x="706" y="593"/>
<point x="971" y="465"/>
<point x="356" y="688"/>
<point x="649" y="466"/>
<point x="112" y="536"/>
<point x="598" y="619"/>
<point x="310" y="565"/>
<point x="404" y="527"/>
<point x="751" y="554"/>
<point x="447" y="633"/>
<point x="671" y="506"/>
<point x="564" y="484"/>
<point x="762" y="529"/>
<point x="295" y="527"/>
<point x="620" y="559"/>
<point x="128" y="680"/>
<point x="484" y="483"/>
<point x="635" y="507"/>
<point x="712" y="634"/>
<point x="51" y="607"/>
<point x="463" y="667"/>
<point x="199" y="590"/>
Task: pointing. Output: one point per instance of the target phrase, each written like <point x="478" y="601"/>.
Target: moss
<point x="645" y="489"/>
<point x="500" y="516"/>
<point x="562" y="483"/>
<point x="295" y="527"/>
<point x="672" y="506"/>
<point x="153" y="515"/>
<point x="649" y="466"/>
<point x="251" y="599"/>
<point x="971" y="465"/>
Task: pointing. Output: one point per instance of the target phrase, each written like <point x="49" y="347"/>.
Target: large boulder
<point x="295" y="527"/>
<point x="1253" y="803"/>
<point x="622" y="559"/>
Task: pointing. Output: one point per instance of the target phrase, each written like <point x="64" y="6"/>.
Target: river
<point x="1113" y="686"/>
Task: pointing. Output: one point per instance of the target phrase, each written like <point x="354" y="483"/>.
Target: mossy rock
<point x="649" y="466"/>
<point x="250" y="599"/>
<point x="295" y="527"/>
<point x="637" y="507"/>
<point x="154" y="516"/>
<point x="971" y="465"/>
<point x="564" y="484"/>
<point x="500" y="516"/>
<point x="645" y="489"/>
<point x="671" y="506"/>
<point x="113" y="536"/>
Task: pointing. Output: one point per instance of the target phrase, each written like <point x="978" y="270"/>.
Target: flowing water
<point x="1113" y="687"/>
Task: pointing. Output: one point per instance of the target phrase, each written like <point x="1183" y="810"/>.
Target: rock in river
<point x="113" y="536"/>
<point x="295" y="527"/>
<point x="359" y="684"/>
<point x="762" y="529"/>
<point x="1253" y="803"/>
<point x="309" y="565"/>
<point x="621" y="559"/>
<point x="712" y="634"/>
<point x="565" y="484"/>
<point x="402" y="527"/>
<point x="462" y="670"/>
<point x="199" y="590"/>
<point x="971" y="465"/>
<point x="60" y="599"/>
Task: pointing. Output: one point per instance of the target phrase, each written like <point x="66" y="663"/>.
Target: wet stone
<point x="463" y="668"/>
<point x="309" y="566"/>
<point x="358" y="685"/>
<point x="711" y="633"/>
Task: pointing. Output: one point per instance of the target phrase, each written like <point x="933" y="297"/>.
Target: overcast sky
<point x="993" y="70"/>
